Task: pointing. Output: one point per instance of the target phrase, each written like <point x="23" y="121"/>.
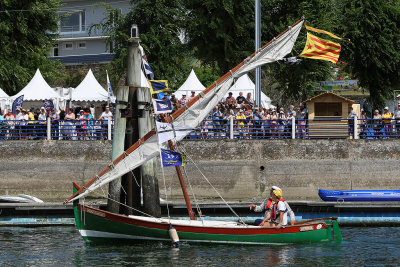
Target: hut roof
<point x="329" y="93"/>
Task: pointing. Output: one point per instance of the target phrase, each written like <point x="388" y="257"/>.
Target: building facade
<point x="75" y="46"/>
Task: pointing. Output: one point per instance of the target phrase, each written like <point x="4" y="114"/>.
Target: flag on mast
<point x="162" y="106"/>
<point x="168" y="131"/>
<point x="145" y="65"/>
<point x="110" y="90"/>
<point x="158" y="86"/>
<point x="172" y="158"/>
<point x="318" y="48"/>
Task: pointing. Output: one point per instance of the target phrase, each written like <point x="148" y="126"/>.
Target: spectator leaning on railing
<point x="387" y="121"/>
<point x="1" y="125"/>
<point x="377" y="122"/>
<point x="104" y="116"/>
<point x="10" y="122"/>
<point x="396" y="116"/>
<point x="42" y="123"/>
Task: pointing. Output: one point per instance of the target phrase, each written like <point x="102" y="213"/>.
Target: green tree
<point x="220" y="33"/>
<point x="373" y="54"/>
<point x="295" y="83"/>
<point x="160" y="24"/>
<point x="26" y="36"/>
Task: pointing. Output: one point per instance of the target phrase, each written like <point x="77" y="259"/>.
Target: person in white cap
<point x="387" y="121"/>
<point x="267" y="204"/>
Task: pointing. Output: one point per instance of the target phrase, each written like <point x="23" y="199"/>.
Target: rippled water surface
<point x="63" y="246"/>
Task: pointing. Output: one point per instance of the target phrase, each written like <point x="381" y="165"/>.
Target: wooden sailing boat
<point x="95" y="224"/>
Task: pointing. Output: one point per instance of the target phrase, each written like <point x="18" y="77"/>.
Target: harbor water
<point x="63" y="246"/>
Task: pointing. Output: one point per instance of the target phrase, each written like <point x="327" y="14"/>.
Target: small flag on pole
<point x="157" y="86"/>
<point x="318" y="48"/>
<point x="17" y="103"/>
<point x="168" y="131"/>
<point x="48" y="104"/>
<point x="145" y="65"/>
<point x="172" y="158"/>
<point x="110" y="90"/>
<point x="162" y="106"/>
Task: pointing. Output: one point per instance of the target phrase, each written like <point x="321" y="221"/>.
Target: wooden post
<point x="118" y="145"/>
<point x="151" y="194"/>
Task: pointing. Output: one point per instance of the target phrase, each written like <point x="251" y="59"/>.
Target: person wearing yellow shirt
<point x="387" y="121"/>
<point x="240" y="121"/>
<point x="31" y="127"/>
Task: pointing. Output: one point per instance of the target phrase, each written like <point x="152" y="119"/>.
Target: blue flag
<point x="17" y="103"/>
<point x="162" y="106"/>
<point x="172" y="158"/>
<point x="158" y="86"/>
<point x="145" y="66"/>
<point x="110" y="90"/>
<point x="147" y="70"/>
<point x="48" y="104"/>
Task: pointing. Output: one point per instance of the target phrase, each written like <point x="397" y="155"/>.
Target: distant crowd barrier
<point x="210" y="129"/>
<point x="297" y="129"/>
<point x="56" y="130"/>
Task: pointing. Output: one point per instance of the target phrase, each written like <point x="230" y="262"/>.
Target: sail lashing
<point x="194" y="112"/>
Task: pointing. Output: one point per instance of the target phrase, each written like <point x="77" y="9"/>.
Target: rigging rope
<point x="107" y="195"/>
<point x="205" y="178"/>
<point x="194" y="196"/>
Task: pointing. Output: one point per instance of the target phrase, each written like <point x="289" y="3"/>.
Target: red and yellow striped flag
<point x="318" y="48"/>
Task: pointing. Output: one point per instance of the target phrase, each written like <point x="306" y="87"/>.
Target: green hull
<point x="100" y="226"/>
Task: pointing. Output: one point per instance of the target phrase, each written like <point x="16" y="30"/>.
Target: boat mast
<point x="181" y="181"/>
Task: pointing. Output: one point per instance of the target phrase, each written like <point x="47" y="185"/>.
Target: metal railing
<point x="210" y="129"/>
<point x="296" y="129"/>
<point x="56" y="130"/>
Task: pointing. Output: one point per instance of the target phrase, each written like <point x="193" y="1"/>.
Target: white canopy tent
<point x="89" y="90"/>
<point x="4" y="100"/>
<point x="37" y="90"/>
<point x="192" y="83"/>
<point x="245" y="84"/>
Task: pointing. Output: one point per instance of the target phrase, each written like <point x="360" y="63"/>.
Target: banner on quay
<point x="17" y="103"/>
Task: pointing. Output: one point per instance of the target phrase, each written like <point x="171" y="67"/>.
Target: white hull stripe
<point x="92" y="233"/>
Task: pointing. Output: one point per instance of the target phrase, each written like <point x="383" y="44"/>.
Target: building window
<point x="73" y="22"/>
<point x="55" y="50"/>
<point x="82" y="45"/>
<point x="68" y="46"/>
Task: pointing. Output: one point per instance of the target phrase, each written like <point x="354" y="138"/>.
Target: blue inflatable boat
<point x="359" y="195"/>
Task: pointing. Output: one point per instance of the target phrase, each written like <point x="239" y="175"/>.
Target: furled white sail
<point x="276" y="50"/>
<point x="192" y="117"/>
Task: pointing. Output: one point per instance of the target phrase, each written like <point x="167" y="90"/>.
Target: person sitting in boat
<point x="277" y="215"/>
<point x="267" y="204"/>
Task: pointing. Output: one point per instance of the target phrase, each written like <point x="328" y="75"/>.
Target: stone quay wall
<point x="241" y="170"/>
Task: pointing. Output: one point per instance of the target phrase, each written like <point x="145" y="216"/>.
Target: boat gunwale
<point x="165" y="225"/>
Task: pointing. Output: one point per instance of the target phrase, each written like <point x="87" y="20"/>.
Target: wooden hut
<point x="325" y="112"/>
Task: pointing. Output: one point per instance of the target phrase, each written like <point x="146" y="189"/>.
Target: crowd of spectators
<point x="77" y="123"/>
<point x="385" y="125"/>
<point x="250" y="122"/>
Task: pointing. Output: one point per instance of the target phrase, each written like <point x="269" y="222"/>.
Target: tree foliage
<point x="26" y="37"/>
<point x="290" y="83"/>
<point x="220" y="33"/>
<point x="373" y="54"/>
<point x="160" y="25"/>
